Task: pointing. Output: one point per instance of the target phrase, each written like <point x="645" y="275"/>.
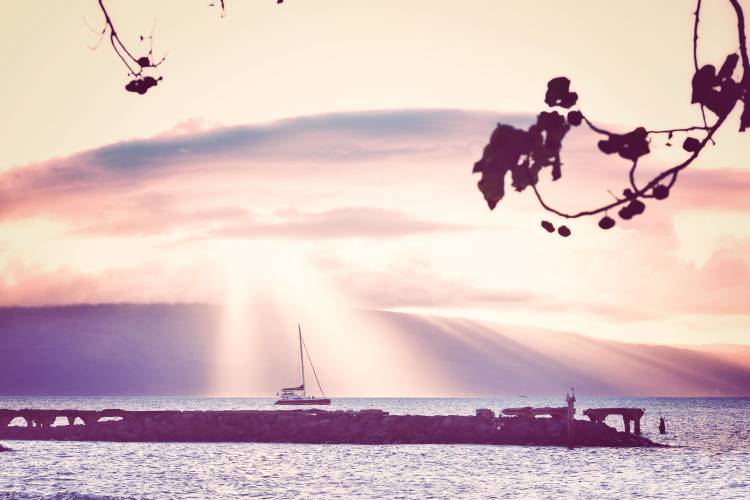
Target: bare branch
<point x="695" y="52"/>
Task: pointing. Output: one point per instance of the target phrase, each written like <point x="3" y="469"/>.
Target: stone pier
<point x="519" y="426"/>
<point x="598" y="415"/>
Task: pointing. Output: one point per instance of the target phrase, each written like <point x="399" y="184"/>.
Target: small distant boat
<point x="298" y="395"/>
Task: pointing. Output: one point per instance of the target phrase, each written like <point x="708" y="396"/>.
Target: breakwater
<point x="308" y="426"/>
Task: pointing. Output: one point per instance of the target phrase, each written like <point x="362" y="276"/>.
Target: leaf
<point x="728" y="67"/>
<point x="717" y="92"/>
<point x="141" y="85"/>
<point x="745" y="117"/>
<point x="492" y="187"/>
<point x="630" y="146"/>
<point x="559" y="94"/>
<point x="523" y="153"/>
<point x="634" y="144"/>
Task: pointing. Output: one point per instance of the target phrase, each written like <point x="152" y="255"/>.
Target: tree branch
<point x="718" y="92"/>
<point x="695" y="52"/>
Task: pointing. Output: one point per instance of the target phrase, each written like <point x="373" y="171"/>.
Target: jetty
<point x="519" y="426"/>
<point x="628" y="415"/>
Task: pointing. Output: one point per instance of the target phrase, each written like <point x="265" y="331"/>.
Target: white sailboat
<point x="298" y="395"/>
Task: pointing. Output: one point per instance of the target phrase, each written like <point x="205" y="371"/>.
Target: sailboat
<point x="298" y="395"/>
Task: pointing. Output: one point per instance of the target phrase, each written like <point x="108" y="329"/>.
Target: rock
<point x="485" y="413"/>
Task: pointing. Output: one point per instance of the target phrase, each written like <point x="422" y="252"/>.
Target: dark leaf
<point x="728" y="67"/>
<point x="703" y="83"/>
<point x="503" y="153"/>
<point x="492" y="187"/>
<point x="634" y="144"/>
<point x="717" y="92"/>
<point x="559" y="94"/>
<point x="745" y="117"/>
<point x="523" y="153"/>
<point x="630" y="146"/>
<point x="141" y="85"/>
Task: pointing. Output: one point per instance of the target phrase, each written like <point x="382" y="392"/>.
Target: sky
<point x="320" y="153"/>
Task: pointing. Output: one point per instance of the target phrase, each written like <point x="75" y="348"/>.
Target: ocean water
<point x="710" y="458"/>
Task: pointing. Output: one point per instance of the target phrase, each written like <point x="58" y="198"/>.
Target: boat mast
<point x="302" y="360"/>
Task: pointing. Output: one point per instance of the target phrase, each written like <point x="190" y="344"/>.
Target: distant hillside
<point x="510" y="359"/>
<point x="172" y="349"/>
<point x="105" y="349"/>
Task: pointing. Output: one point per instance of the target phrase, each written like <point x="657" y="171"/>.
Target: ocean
<point x="709" y="458"/>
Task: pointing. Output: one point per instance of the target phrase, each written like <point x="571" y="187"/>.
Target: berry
<point x="691" y="144"/>
<point x="607" y="146"/>
<point x="661" y="192"/>
<point x="575" y="118"/>
<point x="637" y="207"/>
<point x="547" y="225"/>
<point x="606" y="222"/>
<point x="625" y="213"/>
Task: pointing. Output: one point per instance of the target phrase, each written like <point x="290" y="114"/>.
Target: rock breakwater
<point x="306" y="426"/>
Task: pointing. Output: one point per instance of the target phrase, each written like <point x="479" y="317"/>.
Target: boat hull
<point x="303" y="402"/>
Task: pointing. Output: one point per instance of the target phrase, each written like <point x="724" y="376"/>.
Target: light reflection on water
<point x="713" y="458"/>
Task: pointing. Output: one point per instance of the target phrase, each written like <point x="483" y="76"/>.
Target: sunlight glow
<point x="270" y="287"/>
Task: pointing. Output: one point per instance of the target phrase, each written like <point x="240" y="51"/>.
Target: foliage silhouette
<point x="138" y="66"/>
<point x="524" y="153"/>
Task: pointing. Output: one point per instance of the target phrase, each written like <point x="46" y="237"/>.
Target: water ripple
<point x="713" y="460"/>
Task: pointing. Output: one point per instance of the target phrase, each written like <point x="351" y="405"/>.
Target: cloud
<point x="413" y="284"/>
<point x="331" y="137"/>
<point x="716" y="188"/>
<point x="343" y="222"/>
<point x="325" y="149"/>
<point x="235" y="223"/>
<point x="336" y="149"/>
<point x="376" y="176"/>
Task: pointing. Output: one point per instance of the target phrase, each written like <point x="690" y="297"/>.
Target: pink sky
<point x="329" y="154"/>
